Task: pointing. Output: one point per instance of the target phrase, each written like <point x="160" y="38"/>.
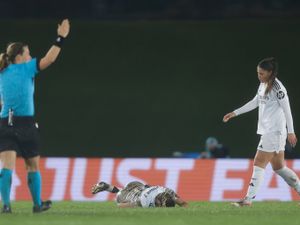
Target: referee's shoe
<point x="6" y="209"/>
<point x="45" y="206"/>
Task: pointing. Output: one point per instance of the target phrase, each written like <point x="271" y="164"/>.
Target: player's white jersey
<point x="131" y="195"/>
<point x="274" y="109"/>
<point x="148" y="195"/>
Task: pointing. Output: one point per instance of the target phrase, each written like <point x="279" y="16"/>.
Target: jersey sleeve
<point x="251" y="105"/>
<point x="32" y="67"/>
<point x="283" y="100"/>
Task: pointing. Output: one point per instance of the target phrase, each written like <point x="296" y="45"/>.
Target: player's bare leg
<point x="102" y="186"/>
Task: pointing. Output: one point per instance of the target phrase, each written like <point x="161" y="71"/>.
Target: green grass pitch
<point x="208" y="213"/>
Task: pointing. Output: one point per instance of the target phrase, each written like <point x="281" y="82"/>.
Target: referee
<point x="18" y="129"/>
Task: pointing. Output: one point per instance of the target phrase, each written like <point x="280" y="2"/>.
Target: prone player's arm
<point x="62" y="32"/>
<point x="179" y="201"/>
<point x="127" y="205"/>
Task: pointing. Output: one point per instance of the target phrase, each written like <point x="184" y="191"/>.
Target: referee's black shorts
<point x="22" y="137"/>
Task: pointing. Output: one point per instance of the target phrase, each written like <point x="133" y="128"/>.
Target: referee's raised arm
<point x="62" y="32"/>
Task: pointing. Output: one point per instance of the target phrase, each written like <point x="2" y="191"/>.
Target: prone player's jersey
<point x="134" y="195"/>
<point x="147" y="198"/>
<point x="131" y="195"/>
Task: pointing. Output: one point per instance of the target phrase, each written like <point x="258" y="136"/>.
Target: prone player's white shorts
<point x="272" y="142"/>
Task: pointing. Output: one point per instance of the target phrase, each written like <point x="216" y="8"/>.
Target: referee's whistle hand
<point x="63" y="28"/>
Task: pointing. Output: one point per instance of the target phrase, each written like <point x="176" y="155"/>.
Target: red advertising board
<point x="192" y="179"/>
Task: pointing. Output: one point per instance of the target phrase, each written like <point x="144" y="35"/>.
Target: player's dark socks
<point x="5" y="185"/>
<point x="34" y="182"/>
<point x="115" y="189"/>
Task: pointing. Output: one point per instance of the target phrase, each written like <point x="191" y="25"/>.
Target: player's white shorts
<point x="272" y="142"/>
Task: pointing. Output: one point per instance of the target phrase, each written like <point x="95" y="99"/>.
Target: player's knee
<point x="32" y="165"/>
<point x="260" y="162"/>
<point x="8" y="165"/>
<point x="32" y="168"/>
<point x="8" y="159"/>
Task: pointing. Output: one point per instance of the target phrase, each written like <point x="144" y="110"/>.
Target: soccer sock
<point x="5" y="185"/>
<point x="256" y="180"/>
<point x="113" y="189"/>
<point x="34" y="181"/>
<point x="290" y="178"/>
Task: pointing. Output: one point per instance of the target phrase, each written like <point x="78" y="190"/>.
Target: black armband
<point x="59" y="41"/>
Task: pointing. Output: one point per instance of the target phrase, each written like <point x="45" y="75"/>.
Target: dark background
<point x="149" y="9"/>
<point x="146" y="78"/>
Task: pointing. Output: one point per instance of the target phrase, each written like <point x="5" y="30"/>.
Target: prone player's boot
<point x="101" y="186"/>
<point x="242" y="203"/>
<point x="6" y="209"/>
<point x="43" y="207"/>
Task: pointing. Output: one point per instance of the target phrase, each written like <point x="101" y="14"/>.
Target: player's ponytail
<point x="3" y="61"/>
<point x="271" y="65"/>
<point x="13" y="49"/>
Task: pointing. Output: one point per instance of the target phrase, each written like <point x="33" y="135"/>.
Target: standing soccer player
<point x="275" y="125"/>
<point x="18" y="129"/>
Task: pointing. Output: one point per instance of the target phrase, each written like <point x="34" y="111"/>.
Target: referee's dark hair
<point x="8" y="57"/>
<point x="269" y="64"/>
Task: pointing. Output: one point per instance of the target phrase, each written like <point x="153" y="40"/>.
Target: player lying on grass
<point x="137" y="194"/>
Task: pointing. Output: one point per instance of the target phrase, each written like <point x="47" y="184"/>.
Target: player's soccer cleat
<point x="6" y="209"/>
<point x="45" y="206"/>
<point x="101" y="186"/>
<point x="242" y="203"/>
